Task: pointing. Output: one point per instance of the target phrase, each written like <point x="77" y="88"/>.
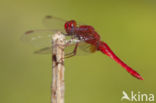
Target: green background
<point x="128" y="26"/>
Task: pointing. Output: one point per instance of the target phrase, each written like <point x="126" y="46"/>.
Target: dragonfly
<point x="86" y="36"/>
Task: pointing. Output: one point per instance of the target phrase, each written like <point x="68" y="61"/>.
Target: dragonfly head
<point x="69" y="26"/>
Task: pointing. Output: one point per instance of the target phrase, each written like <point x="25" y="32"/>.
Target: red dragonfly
<point x="84" y="34"/>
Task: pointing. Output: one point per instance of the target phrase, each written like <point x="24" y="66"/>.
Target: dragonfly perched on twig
<point x="87" y="37"/>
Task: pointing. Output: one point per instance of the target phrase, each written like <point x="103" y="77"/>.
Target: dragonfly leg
<point x="73" y="53"/>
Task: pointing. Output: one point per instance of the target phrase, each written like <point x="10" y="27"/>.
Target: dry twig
<point x="58" y="45"/>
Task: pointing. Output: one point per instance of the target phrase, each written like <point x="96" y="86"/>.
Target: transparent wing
<point x="52" y="22"/>
<point x="83" y="49"/>
<point x="87" y="48"/>
<point x="42" y="38"/>
<point x="46" y="50"/>
<point x="39" y="38"/>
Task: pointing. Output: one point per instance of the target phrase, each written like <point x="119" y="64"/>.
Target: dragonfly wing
<point x="53" y="22"/>
<point x="88" y="48"/>
<point x="47" y="50"/>
<point x="56" y="23"/>
<point x="83" y="49"/>
<point x="85" y="46"/>
<point x="39" y="38"/>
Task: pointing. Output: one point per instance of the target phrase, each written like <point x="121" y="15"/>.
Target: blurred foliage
<point x="128" y="26"/>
